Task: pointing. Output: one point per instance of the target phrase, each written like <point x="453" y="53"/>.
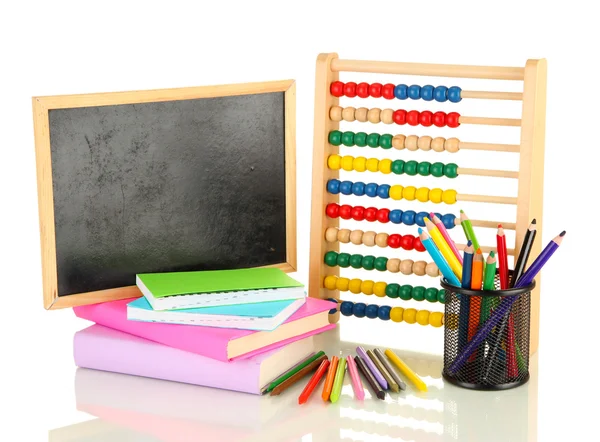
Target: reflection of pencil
<point x="405" y="369"/>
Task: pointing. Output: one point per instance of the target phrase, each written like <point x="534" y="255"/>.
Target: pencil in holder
<point x="498" y="360"/>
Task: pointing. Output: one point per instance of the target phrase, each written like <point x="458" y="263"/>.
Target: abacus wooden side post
<point x="531" y="174"/>
<point x="321" y="174"/>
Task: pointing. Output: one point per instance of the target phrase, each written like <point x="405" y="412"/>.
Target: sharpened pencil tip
<point x="499" y="226"/>
<point x="563" y="233"/>
<point x="534" y="221"/>
<point x="469" y="243"/>
<point x="492" y="254"/>
<point x="461" y="211"/>
<point x="381" y="395"/>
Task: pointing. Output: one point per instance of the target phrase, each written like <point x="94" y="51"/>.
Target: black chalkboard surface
<point x="160" y="181"/>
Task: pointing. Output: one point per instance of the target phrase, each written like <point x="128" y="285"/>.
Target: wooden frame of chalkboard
<point x="43" y="106"/>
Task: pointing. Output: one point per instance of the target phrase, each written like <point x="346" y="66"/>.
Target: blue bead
<point x="439" y="215"/>
<point x="427" y="92"/>
<point x="371" y="190"/>
<point x="448" y="220"/>
<point x="401" y="92"/>
<point x="454" y="94"/>
<point x="414" y="92"/>
<point x="346" y="308"/>
<point x="371" y="311"/>
<point x="333" y="186"/>
<point x="383" y="191"/>
<point x="440" y="93"/>
<point x="395" y="216"/>
<point x="333" y="310"/>
<point x="384" y="312"/>
<point x="346" y="187"/>
<point x="419" y="218"/>
<point x="358" y="188"/>
<point x="408" y="217"/>
<point x="359" y="310"/>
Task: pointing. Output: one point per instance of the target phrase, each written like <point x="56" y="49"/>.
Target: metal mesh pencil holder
<point x="501" y="359"/>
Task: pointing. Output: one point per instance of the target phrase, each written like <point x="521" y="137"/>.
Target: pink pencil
<point x="440" y="225"/>
<point x="357" y="386"/>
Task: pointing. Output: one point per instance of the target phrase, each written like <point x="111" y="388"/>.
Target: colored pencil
<point x="293" y="371"/>
<point x="442" y="228"/>
<point x="362" y="367"/>
<point x="289" y="370"/>
<point x="388" y="377"/>
<point x="330" y="378"/>
<point x="357" y="385"/>
<point x="465" y="301"/>
<point x="489" y="275"/>
<point x="376" y="374"/>
<point x="502" y="257"/>
<point x="438" y="258"/>
<point x="465" y="222"/>
<point x="405" y="369"/>
<point x="443" y="247"/>
<point x="475" y="306"/>
<point x="524" y="252"/>
<point x="339" y="381"/>
<point x="390" y="368"/>
<point x="298" y="376"/>
<point x="314" y="380"/>
<point x="506" y="304"/>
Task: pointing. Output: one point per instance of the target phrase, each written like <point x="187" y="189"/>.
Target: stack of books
<point x="230" y="329"/>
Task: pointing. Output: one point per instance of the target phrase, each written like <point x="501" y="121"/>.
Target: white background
<point x="61" y="47"/>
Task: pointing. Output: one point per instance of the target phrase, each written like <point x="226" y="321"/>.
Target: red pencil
<point x="313" y="382"/>
<point x="513" y="370"/>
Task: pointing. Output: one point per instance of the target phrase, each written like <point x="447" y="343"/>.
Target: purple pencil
<point x="376" y="373"/>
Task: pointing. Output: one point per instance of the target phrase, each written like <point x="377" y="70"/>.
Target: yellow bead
<point x="342" y="284"/>
<point x="396" y="192"/>
<point x="410" y="316"/>
<point x="348" y="163"/>
<point x="396" y="314"/>
<point x="449" y="196"/>
<point x="360" y="164"/>
<point x="423" y="194"/>
<point x="379" y="289"/>
<point x="354" y="286"/>
<point x="436" y="319"/>
<point x="334" y="162"/>
<point x="372" y="164"/>
<point x="435" y="195"/>
<point x="409" y="193"/>
<point x="330" y="282"/>
<point x="367" y="287"/>
<point x="385" y="166"/>
<point x="423" y="317"/>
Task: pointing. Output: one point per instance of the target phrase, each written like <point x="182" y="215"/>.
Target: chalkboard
<point x="162" y="181"/>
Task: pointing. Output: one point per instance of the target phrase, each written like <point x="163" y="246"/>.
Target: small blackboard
<point x="163" y="181"/>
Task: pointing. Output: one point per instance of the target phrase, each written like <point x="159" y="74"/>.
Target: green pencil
<point x="489" y="275"/>
<point x="339" y="380"/>
<point x="465" y="222"/>
<point x="293" y="371"/>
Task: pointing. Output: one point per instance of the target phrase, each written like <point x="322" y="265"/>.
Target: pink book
<point x="217" y="343"/>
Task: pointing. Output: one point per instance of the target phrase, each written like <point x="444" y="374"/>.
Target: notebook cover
<point x="206" y="341"/>
<point x="210" y="281"/>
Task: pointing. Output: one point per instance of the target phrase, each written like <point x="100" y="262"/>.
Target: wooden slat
<point x="486" y="199"/>
<point x="290" y="178"/>
<point x="489" y="146"/>
<point x="486" y="249"/>
<point x="488" y="172"/>
<point x="488" y="224"/>
<point x="487" y="121"/>
<point x="515" y="96"/>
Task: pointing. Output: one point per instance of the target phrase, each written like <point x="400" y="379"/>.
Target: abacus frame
<point x="531" y="153"/>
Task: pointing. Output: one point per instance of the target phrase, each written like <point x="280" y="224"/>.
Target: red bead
<point x="426" y="118"/>
<point x="408" y="241"/>
<point x="399" y="116"/>
<point x="452" y="119"/>
<point x="358" y="213"/>
<point x="387" y="91"/>
<point x="383" y="215"/>
<point x="439" y="119"/>
<point x="412" y="118"/>
<point x="394" y="241"/>
<point x="332" y="210"/>
<point x="371" y="214"/>
<point x="345" y="211"/>
<point x="419" y="247"/>
<point x="362" y="90"/>
<point x="375" y="90"/>
<point x="350" y="89"/>
<point x="337" y="89"/>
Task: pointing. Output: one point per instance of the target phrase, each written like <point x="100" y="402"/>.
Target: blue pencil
<point x="438" y="258"/>
<point x="465" y="301"/>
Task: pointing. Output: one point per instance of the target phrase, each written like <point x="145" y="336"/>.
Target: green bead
<point x="405" y="292"/>
<point x="410" y="168"/>
<point x="368" y="262"/>
<point x="437" y="169"/>
<point x="348" y="139"/>
<point x="356" y="261"/>
<point x="398" y="167"/>
<point x="431" y="294"/>
<point x="373" y="140"/>
<point x="343" y="259"/>
<point x="423" y="168"/>
<point x="360" y="139"/>
<point x="451" y="170"/>
<point x="331" y="258"/>
<point x="442" y="296"/>
<point x="385" y="141"/>
<point x="391" y="291"/>
<point x="381" y="263"/>
<point x="335" y="137"/>
<point x="418" y="293"/>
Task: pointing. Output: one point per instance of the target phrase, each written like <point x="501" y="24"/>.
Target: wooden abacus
<point x="326" y="234"/>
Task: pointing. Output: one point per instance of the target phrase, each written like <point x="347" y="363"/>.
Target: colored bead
<point x="343" y="260"/>
<point x="387" y="116"/>
<point x="385" y="166"/>
<point x="368" y="262"/>
<point x="454" y="94"/>
<point x="331" y="234"/>
<point x="335" y="137"/>
<point x="409" y="192"/>
<point x="347" y="163"/>
<point x="381" y="263"/>
<point x="442" y="296"/>
<point x="405" y="292"/>
<point x="398" y="141"/>
<point x="401" y="92"/>
<point x="440" y="94"/>
<point x="356" y="237"/>
<point x="424" y="143"/>
<point x="345" y="211"/>
<point x="426" y="118"/>
<point x="451" y="170"/>
<point x="383" y="190"/>
<point x="410" y="316"/>
<point x="348" y="114"/>
<point x="436" y="319"/>
<point x="439" y="119"/>
<point x="432" y="270"/>
<point x="371" y="214"/>
<point x="385" y="141"/>
<point x="358" y="309"/>
<point x="361" y="114"/>
<point x="419" y="247"/>
<point x="437" y="144"/>
<point x="422" y="194"/>
<point x="342" y="284"/>
<point x="348" y="138"/>
<point x="396" y="215"/>
<point x="452" y="119"/>
<point x="371" y="189"/>
<point x="435" y="195"/>
<point x="384" y="312"/>
<point x="422" y="317"/>
<point x="371" y="311"/>
<point x="334" y="162"/>
<point x="346" y="308"/>
<point x="414" y="92"/>
<point x="350" y="89"/>
<point x="419" y="218"/>
<point x="374" y="115"/>
<point x="394" y="240"/>
<point x="452" y="145"/>
<point x="437" y="169"/>
<point x="383" y="215"/>
<point x="412" y="118"/>
<point x="448" y="220"/>
<point x="343" y="235"/>
<point x="410" y="167"/>
<point x="373" y="140"/>
<point x="408" y="217"/>
<point x="449" y="196"/>
<point x="375" y="90"/>
<point x="369" y="238"/>
<point x="398" y="167"/>
<point x="431" y="294"/>
<point x="393" y="265"/>
<point x="367" y="287"/>
<point x="406" y="265"/>
<point x="333" y="186"/>
<point x="333" y="310"/>
<point x="412" y="143"/>
<point x="408" y="242"/>
<point x="332" y="210"/>
<point x="358" y="187"/>
<point x="418" y="293"/>
<point x="379" y="289"/>
<point x="427" y="92"/>
<point x="331" y="258"/>
<point x="419" y="268"/>
<point x="387" y="91"/>
<point x="337" y="89"/>
<point x="360" y="164"/>
<point x="362" y="90"/>
<point x="396" y="314"/>
<point x="330" y="282"/>
<point x="381" y="239"/>
<point x="400" y="116"/>
<point x="335" y="113"/>
<point x="358" y="213"/>
<point x="346" y="187"/>
<point x="356" y="261"/>
<point x="360" y="139"/>
<point x="372" y="164"/>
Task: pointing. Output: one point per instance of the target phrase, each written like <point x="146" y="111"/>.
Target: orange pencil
<point x="314" y="380"/>
<point x="330" y="378"/>
<point x="475" y="307"/>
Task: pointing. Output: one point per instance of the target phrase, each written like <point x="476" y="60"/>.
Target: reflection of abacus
<point x="326" y="234"/>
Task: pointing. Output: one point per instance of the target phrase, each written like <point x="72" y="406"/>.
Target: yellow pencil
<point x="406" y="371"/>
<point x="444" y="248"/>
